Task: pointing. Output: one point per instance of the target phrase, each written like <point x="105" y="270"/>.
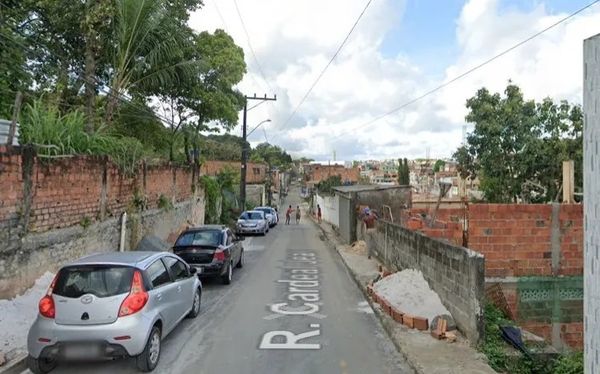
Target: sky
<point x="399" y="50"/>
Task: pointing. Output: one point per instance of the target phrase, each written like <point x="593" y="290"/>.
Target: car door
<point x="164" y="294"/>
<point x="184" y="285"/>
<point x="233" y="248"/>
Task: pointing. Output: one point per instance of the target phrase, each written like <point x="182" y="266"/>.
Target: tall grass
<point x="56" y="135"/>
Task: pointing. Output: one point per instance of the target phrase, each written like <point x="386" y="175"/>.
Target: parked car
<point x="213" y="250"/>
<point x="270" y="214"/>
<point x="118" y="304"/>
<point x="252" y="222"/>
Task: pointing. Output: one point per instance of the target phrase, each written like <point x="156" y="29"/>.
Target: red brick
<point x="396" y="315"/>
<point x="421" y="323"/>
<point x="408" y="321"/>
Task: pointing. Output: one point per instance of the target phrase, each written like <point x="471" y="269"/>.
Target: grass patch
<point x="164" y="203"/>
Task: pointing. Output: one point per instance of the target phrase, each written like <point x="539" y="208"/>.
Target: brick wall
<point x="60" y="193"/>
<point x="256" y="173"/>
<point x="534" y="250"/>
<point x="321" y="172"/>
<point x="55" y="210"/>
<point x="455" y="273"/>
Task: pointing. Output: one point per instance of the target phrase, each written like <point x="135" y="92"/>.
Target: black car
<point x="212" y="249"/>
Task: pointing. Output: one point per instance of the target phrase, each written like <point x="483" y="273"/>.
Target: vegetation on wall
<point x="56" y="135"/>
<point x="326" y="186"/>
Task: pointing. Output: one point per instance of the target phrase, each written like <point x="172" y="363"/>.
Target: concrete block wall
<point x="455" y="273"/>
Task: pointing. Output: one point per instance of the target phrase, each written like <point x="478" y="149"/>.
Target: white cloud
<point x="294" y="39"/>
<point x="549" y="66"/>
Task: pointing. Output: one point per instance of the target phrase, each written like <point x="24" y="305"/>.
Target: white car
<point x="270" y="214"/>
<point x="252" y="222"/>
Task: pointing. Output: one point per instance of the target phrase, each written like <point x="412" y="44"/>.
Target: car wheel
<point x="148" y="359"/>
<point x="240" y="263"/>
<point x="40" y="365"/>
<point x="196" y="304"/>
<point x="226" y="278"/>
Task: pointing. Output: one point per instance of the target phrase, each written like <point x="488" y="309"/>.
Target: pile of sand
<point x="409" y="292"/>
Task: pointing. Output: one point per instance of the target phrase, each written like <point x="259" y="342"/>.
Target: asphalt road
<point x="265" y="323"/>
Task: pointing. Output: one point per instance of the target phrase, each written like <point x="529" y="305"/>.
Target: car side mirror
<point x="193" y="271"/>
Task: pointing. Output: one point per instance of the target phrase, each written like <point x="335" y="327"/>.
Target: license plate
<point x="81" y="351"/>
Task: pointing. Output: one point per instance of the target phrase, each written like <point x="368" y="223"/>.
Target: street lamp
<point x="257" y="126"/>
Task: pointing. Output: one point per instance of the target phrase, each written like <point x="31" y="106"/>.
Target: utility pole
<point x="245" y="149"/>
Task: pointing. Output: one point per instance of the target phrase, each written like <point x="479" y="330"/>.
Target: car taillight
<point x="219" y="255"/>
<point x="46" y="305"/>
<point x="137" y="298"/>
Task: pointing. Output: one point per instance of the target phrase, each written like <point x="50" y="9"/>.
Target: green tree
<point x="273" y="155"/>
<point x="326" y="186"/>
<point x="145" y="38"/>
<point x="517" y="146"/>
<point x="210" y="99"/>
<point x="439" y="165"/>
<point x="403" y="172"/>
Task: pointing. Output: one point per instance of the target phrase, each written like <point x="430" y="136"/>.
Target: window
<point x="98" y="280"/>
<point x="158" y="274"/>
<point x="252" y="216"/>
<point x="177" y="268"/>
<point x="256" y="171"/>
<point x="207" y="237"/>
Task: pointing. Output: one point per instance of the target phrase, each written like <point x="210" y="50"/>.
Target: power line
<point x="220" y="14"/>
<point x="328" y="64"/>
<point x="255" y="105"/>
<point x="260" y="69"/>
<point x="227" y="30"/>
<point x="468" y="72"/>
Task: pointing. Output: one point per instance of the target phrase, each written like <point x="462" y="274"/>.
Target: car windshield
<point x="251" y="216"/>
<point x="98" y="280"/>
<point x="211" y="238"/>
<point x="264" y="210"/>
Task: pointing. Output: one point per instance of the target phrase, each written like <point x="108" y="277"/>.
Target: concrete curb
<point x="386" y="321"/>
<point x="15" y="366"/>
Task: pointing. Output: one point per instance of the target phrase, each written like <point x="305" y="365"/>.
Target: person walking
<point x="297" y="214"/>
<point x="319" y="213"/>
<point x="288" y="215"/>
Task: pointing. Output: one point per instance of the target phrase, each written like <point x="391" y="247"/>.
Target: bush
<point x="495" y="348"/>
<point x="570" y="364"/>
<point x="54" y="135"/>
<point x="212" y="193"/>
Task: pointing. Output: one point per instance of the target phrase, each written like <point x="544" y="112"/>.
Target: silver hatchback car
<point x="115" y="304"/>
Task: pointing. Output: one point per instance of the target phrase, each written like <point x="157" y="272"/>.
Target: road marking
<point x="303" y="300"/>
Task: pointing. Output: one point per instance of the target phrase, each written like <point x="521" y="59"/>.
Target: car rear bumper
<point x="136" y="327"/>
<point x="106" y="350"/>
<point x="208" y="270"/>
<point x="250" y="230"/>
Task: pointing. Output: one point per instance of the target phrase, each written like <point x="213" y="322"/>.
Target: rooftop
<point x="366" y="187"/>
